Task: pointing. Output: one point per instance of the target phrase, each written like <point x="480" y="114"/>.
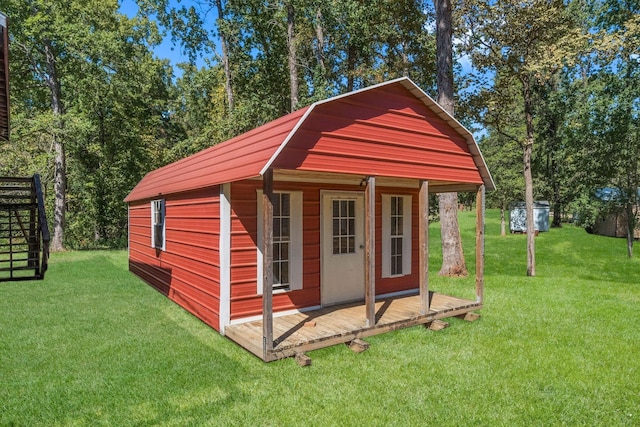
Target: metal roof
<point x="350" y="133"/>
<point x="4" y="78"/>
<point x="239" y="158"/>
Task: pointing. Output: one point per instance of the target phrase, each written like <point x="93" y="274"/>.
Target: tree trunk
<point x="60" y="183"/>
<point x="293" y="60"/>
<point x="557" y="214"/>
<point x="225" y="56"/>
<point x="405" y="61"/>
<point x="632" y="158"/>
<point x="555" y="181"/>
<point x="60" y="168"/>
<point x="528" y="177"/>
<point x="444" y="51"/>
<point x="631" y="225"/>
<point x="351" y="65"/>
<point x="453" y="263"/>
<point x="503" y="228"/>
<point x="320" y="40"/>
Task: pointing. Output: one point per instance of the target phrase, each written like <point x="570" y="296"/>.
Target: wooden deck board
<point x="343" y="323"/>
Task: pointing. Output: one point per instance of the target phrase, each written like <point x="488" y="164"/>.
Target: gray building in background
<point x="518" y="216"/>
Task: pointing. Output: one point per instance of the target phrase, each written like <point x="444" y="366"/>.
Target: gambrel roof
<point x="393" y="129"/>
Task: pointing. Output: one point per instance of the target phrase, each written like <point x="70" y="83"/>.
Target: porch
<point x="272" y="338"/>
<point x="301" y="332"/>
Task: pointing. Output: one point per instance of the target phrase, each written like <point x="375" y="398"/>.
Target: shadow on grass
<point x="92" y="342"/>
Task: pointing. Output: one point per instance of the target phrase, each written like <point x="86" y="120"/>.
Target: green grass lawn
<point x="93" y="345"/>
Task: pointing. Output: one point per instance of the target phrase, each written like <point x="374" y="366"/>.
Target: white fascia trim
<point x="225" y="256"/>
<point x="278" y="314"/>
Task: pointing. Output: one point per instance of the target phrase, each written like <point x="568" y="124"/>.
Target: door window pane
<point x="344" y="226"/>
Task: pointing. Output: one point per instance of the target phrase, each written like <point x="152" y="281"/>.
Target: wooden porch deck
<point x="302" y="332"/>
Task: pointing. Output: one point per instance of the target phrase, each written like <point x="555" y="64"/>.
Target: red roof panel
<point x="392" y="129"/>
<point x="233" y="160"/>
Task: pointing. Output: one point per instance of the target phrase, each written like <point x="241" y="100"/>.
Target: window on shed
<point x="396" y="235"/>
<point x="287" y="241"/>
<point x="157" y="224"/>
<point x="281" y="240"/>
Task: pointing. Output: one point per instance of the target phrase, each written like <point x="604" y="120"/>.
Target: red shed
<point x="312" y="229"/>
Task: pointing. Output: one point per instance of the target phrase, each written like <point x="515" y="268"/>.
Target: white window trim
<point x="164" y="224"/>
<point x="386" y="235"/>
<point x="295" y="247"/>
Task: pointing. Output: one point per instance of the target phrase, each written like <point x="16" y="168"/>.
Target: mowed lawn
<point x="94" y="345"/>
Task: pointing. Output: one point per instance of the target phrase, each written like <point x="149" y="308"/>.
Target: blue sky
<point x="166" y="50"/>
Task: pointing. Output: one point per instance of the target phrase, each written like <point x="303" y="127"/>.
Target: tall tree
<point x="36" y="27"/>
<point x="224" y="45"/>
<point x="126" y="130"/>
<point x="453" y="263"/>
<point x="292" y="54"/>
<point x="613" y="100"/>
<point x="524" y="42"/>
<point x="554" y="100"/>
<point x="70" y="60"/>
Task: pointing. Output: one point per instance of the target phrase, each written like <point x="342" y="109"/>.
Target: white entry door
<point x="342" y="247"/>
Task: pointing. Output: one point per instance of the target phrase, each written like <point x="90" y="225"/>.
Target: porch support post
<point x="267" y="269"/>
<point x="480" y="212"/>
<point x="423" y="241"/>
<point x="370" y="251"/>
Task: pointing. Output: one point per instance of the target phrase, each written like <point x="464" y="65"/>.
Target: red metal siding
<point x="246" y="302"/>
<point x="410" y="281"/>
<point x="388" y="132"/>
<point x="188" y="271"/>
<point x="244" y="298"/>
